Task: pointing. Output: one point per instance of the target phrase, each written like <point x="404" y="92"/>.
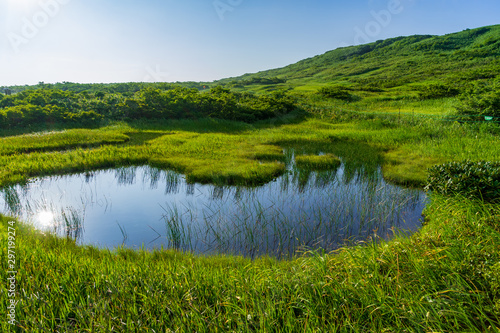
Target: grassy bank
<point x="443" y="279"/>
<point x="231" y="152"/>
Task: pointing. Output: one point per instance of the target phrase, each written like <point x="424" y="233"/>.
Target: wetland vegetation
<point x="413" y="119"/>
<point x="144" y="207"/>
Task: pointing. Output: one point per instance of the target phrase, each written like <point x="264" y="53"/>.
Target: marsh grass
<point x="45" y="215"/>
<point x="12" y="200"/>
<point x="72" y="223"/>
<point x="179" y="234"/>
<point x="232" y="153"/>
<point x="61" y="140"/>
<point x="317" y="162"/>
<point x="123" y="231"/>
<point x="327" y="214"/>
<point x="442" y="279"/>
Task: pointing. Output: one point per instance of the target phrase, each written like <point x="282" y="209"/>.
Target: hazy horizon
<point x="129" y="41"/>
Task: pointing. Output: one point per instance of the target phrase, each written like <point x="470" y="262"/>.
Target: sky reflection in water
<point x="144" y="206"/>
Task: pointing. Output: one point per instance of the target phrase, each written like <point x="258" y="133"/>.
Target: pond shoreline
<point x="303" y="205"/>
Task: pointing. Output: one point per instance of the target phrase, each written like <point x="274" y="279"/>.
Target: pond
<point x="144" y="207"/>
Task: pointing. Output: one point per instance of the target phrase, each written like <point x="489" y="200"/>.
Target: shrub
<point x="479" y="180"/>
<point x="84" y="118"/>
<point x="11" y="117"/>
<point x="336" y="92"/>
<point x="54" y="106"/>
<point x="436" y="90"/>
<point x="481" y="98"/>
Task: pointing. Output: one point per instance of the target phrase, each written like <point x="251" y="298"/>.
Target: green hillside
<point x="453" y="75"/>
<point x="400" y="62"/>
<point x="294" y="121"/>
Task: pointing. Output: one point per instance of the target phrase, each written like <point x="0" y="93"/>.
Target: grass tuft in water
<point x="317" y="162"/>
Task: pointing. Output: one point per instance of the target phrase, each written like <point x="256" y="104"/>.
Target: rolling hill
<point x="455" y="58"/>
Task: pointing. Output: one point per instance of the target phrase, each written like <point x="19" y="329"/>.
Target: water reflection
<point x="45" y="218"/>
<point x="144" y="206"/>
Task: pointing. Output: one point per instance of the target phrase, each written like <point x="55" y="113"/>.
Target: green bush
<point x="436" y="90"/>
<point x="11" y="117"/>
<point x="336" y="92"/>
<point x="481" y="99"/>
<point x="50" y="106"/>
<point x="477" y="180"/>
<point x="84" y="118"/>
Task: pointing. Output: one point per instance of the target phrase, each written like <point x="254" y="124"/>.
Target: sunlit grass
<point x="60" y="140"/>
<point x="215" y="153"/>
<point x="444" y="278"/>
<point x="317" y="162"/>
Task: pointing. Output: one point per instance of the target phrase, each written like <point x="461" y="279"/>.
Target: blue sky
<point x="203" y="40"/>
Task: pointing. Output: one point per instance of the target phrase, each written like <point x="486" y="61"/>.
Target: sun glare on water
<point x="45" y="218"/>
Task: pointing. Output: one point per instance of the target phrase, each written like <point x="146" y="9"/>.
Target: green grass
<point x="395" y="76"/>
<point x="393" y="67"/>
<point x="442" y="279"/>
<point x="317" y="162"/>
<point x="61" y="140"/>
<point x="235" y="153"/>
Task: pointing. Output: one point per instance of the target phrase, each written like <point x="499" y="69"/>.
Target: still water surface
<point x="151" y="208"/>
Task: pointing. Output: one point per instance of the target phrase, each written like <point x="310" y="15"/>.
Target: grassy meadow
<point x="396" y="104"/>
<point x="442" y="279"/>
<point x="209" y="150"/>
